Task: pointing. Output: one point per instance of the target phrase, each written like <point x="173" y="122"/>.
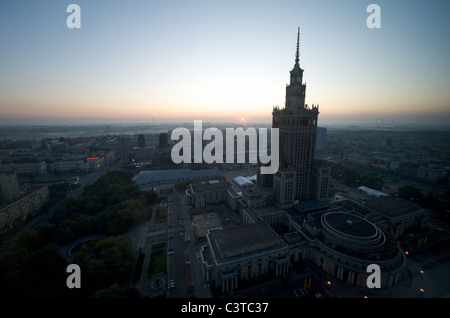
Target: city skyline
<point x="144" y="61"/>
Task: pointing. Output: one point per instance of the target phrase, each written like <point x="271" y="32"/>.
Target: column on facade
<point x="340" y="272"/>
<point x="351" y="277"/>
<point x="229" y="283"/>
<point x="282" y="267"/>
<point x="224" y="285"/>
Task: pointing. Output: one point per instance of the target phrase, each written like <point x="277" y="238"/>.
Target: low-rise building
<point x="396" y="214"/>
<point x="342" y="238"/>
<point x="157" y="177"/>
<point x="27" y="169"/>
<point x="431" y="174"/>
<point x="372" y="192"/>
<point x="70" y="166"/>
<point x="207" y="192"/>
<point x="344" y="244"/>
<point x="9" y="185"/>
<point x="23" y="205"/>
<point x="236" y="254"/>
<point x="94" y="163"/>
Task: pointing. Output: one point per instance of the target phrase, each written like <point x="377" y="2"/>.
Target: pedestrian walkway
<point x="139" y="236"/>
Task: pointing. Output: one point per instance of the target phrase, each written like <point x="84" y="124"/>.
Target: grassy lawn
<point x="163" y="200"/>
<point x="158" y="261"/>
<point x="161" y="215"/>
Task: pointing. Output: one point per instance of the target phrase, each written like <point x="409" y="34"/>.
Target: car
<point x="318" y="295"/>
<point x="171" y="284"/>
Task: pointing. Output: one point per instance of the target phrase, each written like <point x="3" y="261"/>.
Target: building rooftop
<point x="242" y="182"/>
<point x="172" y="176"/>
<point x="372" y="192"/>
<point x="233" y="192"/>
<point x="209" y="185"/>
<point x="230" y="243"/>
<point x="26" y="193"/>
<point x="310" y="206"/>
<point x="349" y="224"/>
<point x="391" y="206"/>
<point x="258" y="192"/>
<point x="256" y="213"/>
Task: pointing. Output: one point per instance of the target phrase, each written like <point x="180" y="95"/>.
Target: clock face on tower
<point x="299" y="79"/>
<point x="292" y="80"/>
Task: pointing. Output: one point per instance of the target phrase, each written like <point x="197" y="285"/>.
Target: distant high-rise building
<point x="124" y="150"/>
<point x="297" y="124"/>
<point x="143" y="153"/>
<point x="9" y="185"/>
<point x="141" y="141"/>
<point x="163" y="139"/>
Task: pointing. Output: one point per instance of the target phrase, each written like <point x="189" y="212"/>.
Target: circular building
<point x="345" y="244"/>
<point x="352" y="232"/>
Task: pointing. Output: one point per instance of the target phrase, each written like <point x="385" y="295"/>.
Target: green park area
<point x="108" y="208"/>
<point x="165" y="191"/>
<point x="161" y="215"/>
<point x="158" y="260"/>
<point x="355" y="178"/>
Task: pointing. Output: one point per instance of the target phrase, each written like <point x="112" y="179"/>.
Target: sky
<point x="155" y="61"/>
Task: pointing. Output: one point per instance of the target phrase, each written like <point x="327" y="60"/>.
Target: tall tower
<point x="297" y="124"/>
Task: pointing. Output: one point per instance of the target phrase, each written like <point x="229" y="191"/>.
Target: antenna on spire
<point x="298" y="45"/>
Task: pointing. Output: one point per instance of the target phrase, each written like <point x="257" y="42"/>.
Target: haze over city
<point x="150" y="61"/>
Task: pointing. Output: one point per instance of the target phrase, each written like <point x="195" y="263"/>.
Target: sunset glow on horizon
<point x="180" y="61"/>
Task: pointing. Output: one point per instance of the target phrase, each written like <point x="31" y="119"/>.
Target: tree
<point x="58" y="192"/>
<point x="410" y="192"/>
<point x="106" y="262"/>
<point x="113" y="291"/>
<point x="151" y="197"/>
<point x="29" y="239"/>
<point x="32" y="274"/>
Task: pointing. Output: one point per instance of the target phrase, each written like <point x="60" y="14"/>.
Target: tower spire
<point x="298" y="45"/>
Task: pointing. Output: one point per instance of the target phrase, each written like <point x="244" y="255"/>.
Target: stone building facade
<point x="23" y="205"/>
